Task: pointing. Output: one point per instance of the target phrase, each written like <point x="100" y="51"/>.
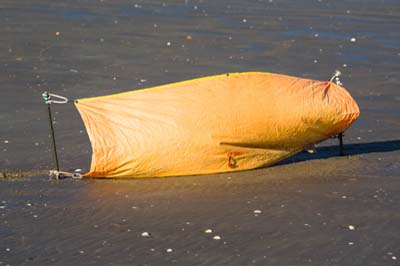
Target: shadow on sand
<point x="349" y="149"/>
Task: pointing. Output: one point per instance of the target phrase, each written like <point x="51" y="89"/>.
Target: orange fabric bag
<point x="214" y="124"/>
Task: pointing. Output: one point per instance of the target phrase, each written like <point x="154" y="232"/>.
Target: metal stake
<point x="341" y="147"/>
<point x="47" y="99"/>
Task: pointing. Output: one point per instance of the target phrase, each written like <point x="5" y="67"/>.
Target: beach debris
<point x="3" y="206"/>
<point x="72" y="70"/>
<point x="168" y="43"/>
<point x="81" y="252"/>
<point x="189" y="37"/>
<point x="78" y="170"/>
<point x="146" y="234"/>
<point x="35" y="216"/>
<point x="244" y="20"/>
<point x="344" y="197"/>
<point x="208" y="231"/>
<point x="257" y="211"/>
<point x="29" y="204"/>
<point x="351" y="227"/>
<point x="353" y="39"/>
<point x="57" y="33"/>
<point x="6" y="141"/>
<point x="169" y="250"/>
<point x="8" y="249"/>
<point x="217" y="237"/>
<point x="316" y="35"/>
<point x="351" y="243"/>
<point x="394" y="258"/>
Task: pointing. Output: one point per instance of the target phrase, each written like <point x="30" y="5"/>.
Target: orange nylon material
<point x="215" y="124"/>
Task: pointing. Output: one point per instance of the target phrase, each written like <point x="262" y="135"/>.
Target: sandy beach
<point x="311" y="209"/>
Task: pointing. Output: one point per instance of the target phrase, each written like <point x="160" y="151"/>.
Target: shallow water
<point x="105" y="47"/>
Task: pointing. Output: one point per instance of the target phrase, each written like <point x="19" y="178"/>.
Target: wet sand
<point x="319" y="209"/>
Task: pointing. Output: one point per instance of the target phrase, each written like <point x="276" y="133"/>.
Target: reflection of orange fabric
<point x="215" y="124"/>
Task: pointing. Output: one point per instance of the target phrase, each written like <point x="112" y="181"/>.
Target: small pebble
<point x="168" y="43"/>
<point x="351" y="243"/>
<point x="78" y="170"/>
<point x="208" y="231"/>
<point x="57" y="33"/>
<point x="145" y="234"/>
<point x="29" y="204"/>
<point x="353" y="39"/>
<point x="169" y="250"/>
<point x="244" y="20"/>
<point x="217" y="238"/>
<point x="351" y="227"/>
<point x="394" y="258"/>
<point x="8" y="249"/>
<point x="257" y="211"/>
<point x="6" y="141"/>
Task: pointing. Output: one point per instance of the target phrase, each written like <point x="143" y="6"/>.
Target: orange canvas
<point x="221" y="123"/>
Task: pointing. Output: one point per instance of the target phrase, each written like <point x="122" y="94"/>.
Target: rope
<point x="335" y="78"/>
<point x="48" y="98"/>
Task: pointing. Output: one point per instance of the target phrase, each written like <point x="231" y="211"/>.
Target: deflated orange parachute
<point x="214" y="124"/>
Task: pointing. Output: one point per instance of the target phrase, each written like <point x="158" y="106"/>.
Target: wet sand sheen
<point x="309" y="210"/>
